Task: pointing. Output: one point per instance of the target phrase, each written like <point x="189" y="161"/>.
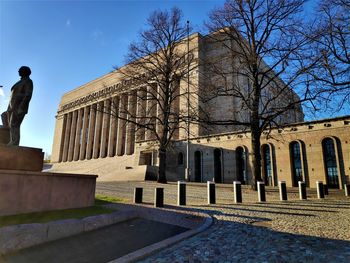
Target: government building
<point x="90" y="140"/>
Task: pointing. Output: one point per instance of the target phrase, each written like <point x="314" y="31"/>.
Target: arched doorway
<point x="330" y="163"/>
<point x="197" y="166"/>
<point x="297" y="169"/>
<point x="267" y="164"/>
<point x="240" y="164"/>
<point x="217" y="166"/>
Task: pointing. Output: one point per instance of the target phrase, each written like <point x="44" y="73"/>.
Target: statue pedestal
<point x="24" y="188"/>
<point x="21" y="158"/>
<point x="28" y="191"/>
<point x="4" y="135"/>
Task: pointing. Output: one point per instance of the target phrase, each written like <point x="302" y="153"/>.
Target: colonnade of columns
<point x="95" y="131"/>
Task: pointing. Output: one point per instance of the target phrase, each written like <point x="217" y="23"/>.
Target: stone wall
<point x="26" y="191"/>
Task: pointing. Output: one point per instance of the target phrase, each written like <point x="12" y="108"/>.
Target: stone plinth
<point x="4" y="135"/>
<point x="28" y="191"/>
<point x="21" y="158"/>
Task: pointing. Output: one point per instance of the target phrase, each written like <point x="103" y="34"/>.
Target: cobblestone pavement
<point x="311" y="230"/>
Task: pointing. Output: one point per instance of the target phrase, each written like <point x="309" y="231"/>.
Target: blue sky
<point x="69" y="43"/>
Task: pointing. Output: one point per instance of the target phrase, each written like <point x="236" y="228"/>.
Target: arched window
<point x="240" y="164"/>
<point x="330" y="163"/>
<point x="217" y="166"/>
<point x="197" y="166"/>
<point x="267" y="164"/>
<point x="296" y="162"/>
<point x="180" y="158"/>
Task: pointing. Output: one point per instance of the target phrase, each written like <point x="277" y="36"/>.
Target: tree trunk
<point x="162" y="166"/>
<point x="256" y="158"/>
<point x="255" y="127"/>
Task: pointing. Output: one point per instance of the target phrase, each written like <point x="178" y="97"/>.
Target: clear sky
<point x="69" y="43"/>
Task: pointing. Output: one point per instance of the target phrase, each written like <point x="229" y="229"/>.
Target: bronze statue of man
<point x="21" y="93"/>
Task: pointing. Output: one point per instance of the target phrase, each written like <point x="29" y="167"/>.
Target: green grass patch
<point x="47" y="216"/>
<point x="105" y="200"/>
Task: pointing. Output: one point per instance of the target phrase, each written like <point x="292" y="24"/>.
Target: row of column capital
<point x="100" y="129"/>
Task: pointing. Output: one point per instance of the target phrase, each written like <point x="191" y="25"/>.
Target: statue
<point x="21" y="93"/>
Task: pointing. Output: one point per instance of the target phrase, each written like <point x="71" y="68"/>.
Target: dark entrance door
<point x="197" y="166"/>
<point x="297" y="170"/>
<point x="330" y="161"/>
<point x="267" y="168"/>
<point x="217" y="166"/>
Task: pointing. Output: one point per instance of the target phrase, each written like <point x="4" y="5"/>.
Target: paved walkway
<point x="293" y="231"/>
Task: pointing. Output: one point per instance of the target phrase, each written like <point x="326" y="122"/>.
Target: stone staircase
<point x="120" y="168"/>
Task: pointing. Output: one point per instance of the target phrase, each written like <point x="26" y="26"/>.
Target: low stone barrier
<point x="181" y="193"/>
<point x="320" y="189"/>
<point x="347" y="189"/>
<point x="283" y="190"/>
<point x="158" y="197"/>
<point x="237" y="191"/>
<point x="138" y="192"/>
<point x="18" y="237"/>
<point x="302" y="190"/>
<point x="26" y="235"/>
<point x="261" y="192"/>
<point x="211" y="192"/>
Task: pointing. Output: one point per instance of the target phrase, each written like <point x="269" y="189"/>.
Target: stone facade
<point x="322" y="154"/>
<point x="91" y="140"/>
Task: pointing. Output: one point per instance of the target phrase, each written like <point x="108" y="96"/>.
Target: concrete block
<point x="118" y="217"/>
<point x="283" y="190"/>
<point x="138" y="192"/>
<point x="237" y="191"/>
<point x="158" y="197"/>
<point x="94" y="222"/>
<point x="30" y="191"/>
<point x="302" y="190"/>
<point x="347" y="189"/>
<point x="21" y="158"/>
<point x="21" y="236"/>
<point x="211" y="193"/>
<point x="181" y="193"/>
<point x="320" y="189"/>
<point x="64" y="228"/>
<point x="261" y="192"/>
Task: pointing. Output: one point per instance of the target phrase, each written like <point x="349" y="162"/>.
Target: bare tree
<point x="262" y="67"/>
<point x="330" y="48"/>
<point x="156" y="64"/>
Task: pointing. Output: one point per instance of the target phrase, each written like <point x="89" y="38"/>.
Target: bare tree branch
<point x="158" y="63"/>
<point x="266" y="68"/>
